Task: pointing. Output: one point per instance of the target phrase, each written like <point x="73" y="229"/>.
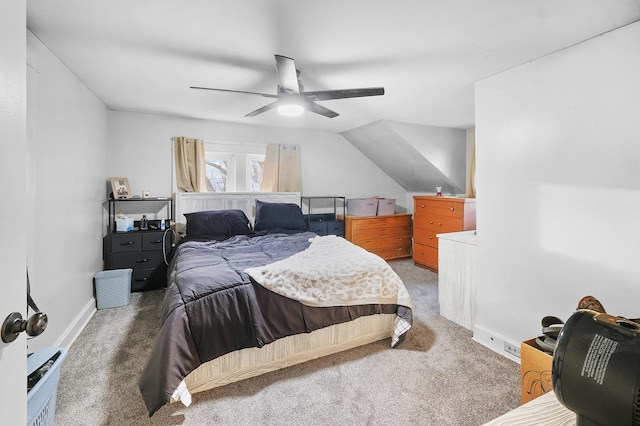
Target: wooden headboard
<point x="188" y="202"/>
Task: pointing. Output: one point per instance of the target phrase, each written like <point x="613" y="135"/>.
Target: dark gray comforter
<point x="211" y="307"/>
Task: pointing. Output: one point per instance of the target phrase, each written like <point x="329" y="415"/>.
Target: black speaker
<point x="596" y="369"/>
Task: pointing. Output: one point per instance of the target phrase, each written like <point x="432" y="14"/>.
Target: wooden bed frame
<point x="285" y="352"/>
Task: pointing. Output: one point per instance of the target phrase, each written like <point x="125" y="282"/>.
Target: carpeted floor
<point x="437" y="376"/>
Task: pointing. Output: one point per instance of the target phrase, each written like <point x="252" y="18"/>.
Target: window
<point x="219" y="172"/>
<point x="234" y="167"/>
<point x="255" y="171"/>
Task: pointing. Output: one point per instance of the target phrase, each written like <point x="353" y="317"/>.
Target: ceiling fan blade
<point x="325" y="95"/>
<point x="265" y="108"/>
<point x="318" y="109"/>
<point x="266" y="95"/>
<point x="287" y="75"/>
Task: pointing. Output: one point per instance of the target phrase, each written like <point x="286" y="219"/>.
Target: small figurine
<point x="144" y="223"/>
<point x="438" y="191"/>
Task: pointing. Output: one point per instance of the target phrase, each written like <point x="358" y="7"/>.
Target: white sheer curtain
<point x="190" y="164"/>
<point x="282" y="169"/>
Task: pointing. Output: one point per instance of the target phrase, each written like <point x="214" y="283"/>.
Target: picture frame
<point x="120" y="188"/>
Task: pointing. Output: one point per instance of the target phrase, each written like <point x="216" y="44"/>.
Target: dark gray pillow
<point x="222" y="223"/>
<point x="279" y="216"/>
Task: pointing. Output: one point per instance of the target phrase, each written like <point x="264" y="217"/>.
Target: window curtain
<point x="190" y="164"/>
<point x="282" y="169"/>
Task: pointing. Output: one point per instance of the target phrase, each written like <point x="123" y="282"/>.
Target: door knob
<point x="14" y="324"/>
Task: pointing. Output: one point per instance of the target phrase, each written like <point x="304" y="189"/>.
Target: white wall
<point x="558" y="186"/>
<point x="140" y="150"/>
<point x="68" y="129"/>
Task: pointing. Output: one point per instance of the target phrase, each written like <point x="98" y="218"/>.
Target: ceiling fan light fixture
<point x="290" y="110"/>
<point x="293" y="100"/>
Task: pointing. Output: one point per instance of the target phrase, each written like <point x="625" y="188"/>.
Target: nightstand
<point x="142" y="251"/>
<point x="387" y="236"/>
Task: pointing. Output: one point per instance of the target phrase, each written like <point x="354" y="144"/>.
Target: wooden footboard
<point x="289" y="351"/>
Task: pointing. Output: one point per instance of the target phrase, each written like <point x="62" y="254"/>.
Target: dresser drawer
<point x="442" y="207"/>
<point x="381" y="222"/>
<point x="367" y="234"/>
<point x="328" y="227"/>
<point x="139" y="260"/>
<point x="379" y="243"/>
<point x="149" y="278"/>
<point x="335" y="227"/>
<point x="126" y="242"/>
<point x="439" y="224"/>
<point x="426" y="237"/>
<point x="319" y="228"/>
<point x="153" y="241"/>
<point x="388" y="253"/>
<point x="424" y="255"/>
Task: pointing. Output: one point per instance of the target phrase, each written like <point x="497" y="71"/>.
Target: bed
<point x="250" y="290"/>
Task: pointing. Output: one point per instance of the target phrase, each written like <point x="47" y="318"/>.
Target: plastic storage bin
<point x="386" y="206"/>
<point x="362" y="206"/>
<point x="43" y="374"/>
<point x="113" y="288"/>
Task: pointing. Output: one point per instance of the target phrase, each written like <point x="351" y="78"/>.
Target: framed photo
<point x="120" y="188"/>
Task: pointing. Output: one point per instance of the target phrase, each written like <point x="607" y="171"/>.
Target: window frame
<point x="240" y="153"/>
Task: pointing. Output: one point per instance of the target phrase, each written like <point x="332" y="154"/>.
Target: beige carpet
<point x="437" y="376"/>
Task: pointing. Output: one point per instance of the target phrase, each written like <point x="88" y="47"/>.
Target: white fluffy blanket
<point x="333" y="272"/>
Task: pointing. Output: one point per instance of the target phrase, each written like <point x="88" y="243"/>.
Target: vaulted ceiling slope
<point x="143" y="55"/>
<point x="417" y="157"/>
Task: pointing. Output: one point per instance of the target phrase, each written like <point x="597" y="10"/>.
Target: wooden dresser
<point x="387" y="236"/>
<point x="438" y="215"/>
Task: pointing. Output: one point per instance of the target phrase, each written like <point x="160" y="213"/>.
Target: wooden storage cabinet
<point x="387" y="236"/>
<point x="438" y="215"/>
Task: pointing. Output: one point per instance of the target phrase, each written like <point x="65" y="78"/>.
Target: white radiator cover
<point x="457" y="277"/>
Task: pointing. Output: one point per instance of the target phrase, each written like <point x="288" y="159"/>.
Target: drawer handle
<point x="142" y="279"/>
<point x="128" y="243"/>
<point x="155" y="242"/>
<point x="422" y="206"/>
<point x="430" y="237"/>
<point x="430" y="222"/>
<point x="439" y="223"/>
<point x="142" y="261"/>
<point x="452" y="209"/>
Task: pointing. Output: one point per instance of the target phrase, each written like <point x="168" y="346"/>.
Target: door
<point x="13" y="164"/>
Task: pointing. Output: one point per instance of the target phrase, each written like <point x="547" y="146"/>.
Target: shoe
<point x="551" y="326"/>
<point x="590" y="302"/>
<point x="546" y="343"/>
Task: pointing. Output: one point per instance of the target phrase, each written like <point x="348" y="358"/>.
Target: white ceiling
<point x="143" y="55"/>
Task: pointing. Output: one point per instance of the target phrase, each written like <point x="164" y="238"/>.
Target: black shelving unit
<point x="326" y="223"/>
<point x="113" y="202"/>
<point x="143" y="251"/>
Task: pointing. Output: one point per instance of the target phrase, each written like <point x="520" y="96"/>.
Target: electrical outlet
<point x="513" y="350"/>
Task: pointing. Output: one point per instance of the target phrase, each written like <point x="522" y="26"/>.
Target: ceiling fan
<point x="292" y="100"/>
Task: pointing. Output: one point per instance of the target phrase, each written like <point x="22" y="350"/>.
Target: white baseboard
<point x="494" y="341"/>
<point x="77" y="325"/>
